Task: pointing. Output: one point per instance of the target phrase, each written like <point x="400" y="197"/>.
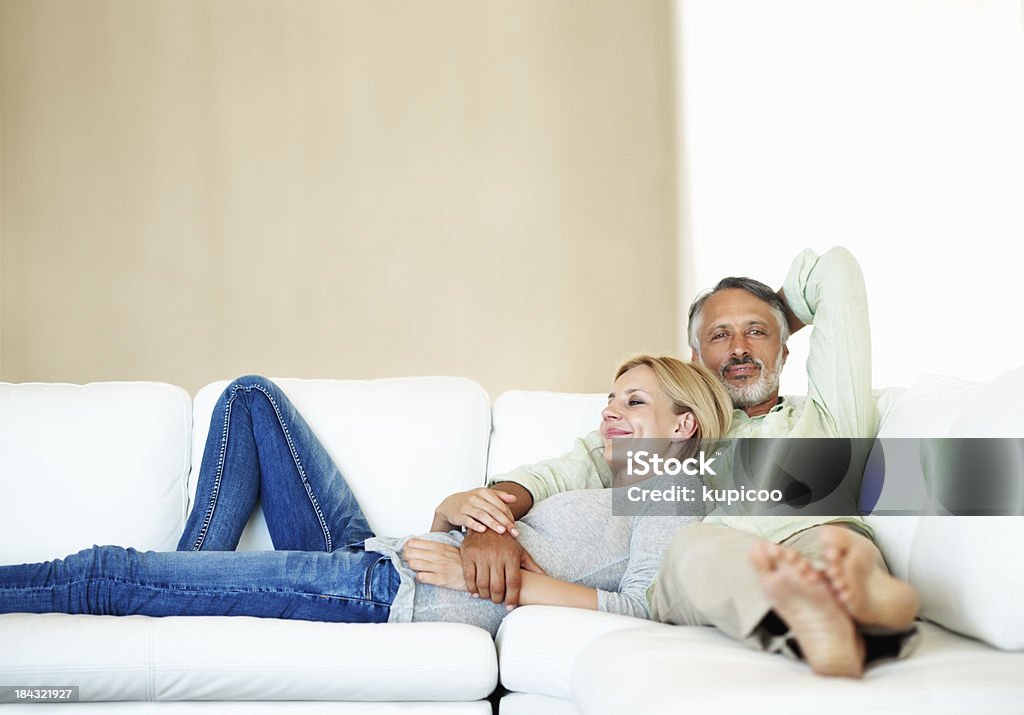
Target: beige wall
<point x="196" y="189"/>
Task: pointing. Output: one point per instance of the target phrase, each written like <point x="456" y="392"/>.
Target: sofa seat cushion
<point x="537" y="645"/>
<point x="700" y="670"/>
<point x="104" y="463"/>
<point x="241" y="658"/>
<point x="530" y="704"/>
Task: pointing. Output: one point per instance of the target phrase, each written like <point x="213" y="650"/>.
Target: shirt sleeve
<point x="827" y="292"/>
<point x="582" y="468"/>
<point x="649" y="543"/>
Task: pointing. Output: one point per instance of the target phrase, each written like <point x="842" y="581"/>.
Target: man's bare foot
<point x="869" y="594"/>
<point x="801" y="597"/>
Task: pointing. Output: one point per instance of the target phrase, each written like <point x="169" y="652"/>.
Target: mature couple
<point x="543" y="534"/>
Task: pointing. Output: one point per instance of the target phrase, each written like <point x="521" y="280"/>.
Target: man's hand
<point x="478" y="509"/>
<point x="491" y="566"/>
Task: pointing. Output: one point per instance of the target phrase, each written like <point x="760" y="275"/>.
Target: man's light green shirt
<point x="826" y="292"/>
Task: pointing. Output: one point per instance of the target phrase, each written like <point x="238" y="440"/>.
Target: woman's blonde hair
<point x="692" y="388"/>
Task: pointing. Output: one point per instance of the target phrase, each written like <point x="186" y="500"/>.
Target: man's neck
<point x="762" y="408"/>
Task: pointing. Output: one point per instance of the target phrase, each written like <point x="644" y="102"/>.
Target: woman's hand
<point x="435" y="563"/>
<point x="478" y="509"/>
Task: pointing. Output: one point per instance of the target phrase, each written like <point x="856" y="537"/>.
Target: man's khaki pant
<point x="708" y="579"/>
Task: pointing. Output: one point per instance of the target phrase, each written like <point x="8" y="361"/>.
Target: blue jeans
<point x="259" y="450"/>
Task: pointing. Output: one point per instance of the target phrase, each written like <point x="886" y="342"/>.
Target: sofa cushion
<point x="532" y="426"/>
<point x="537" y="645"/>
<point x="959" y="563"/>
<point x="241" y="658"/>
<point x="696" y="670"/>
<point x="928" y="408"/>
<point x="530" y="704"/>
<point x="104" y="463"/>
<point x="403" y="444"/>
<point x="994" y="409"/>
<point x="966" y="569"/>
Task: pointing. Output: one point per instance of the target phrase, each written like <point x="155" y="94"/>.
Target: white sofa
<point x="111" y="463"/>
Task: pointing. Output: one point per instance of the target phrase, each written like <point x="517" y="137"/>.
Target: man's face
<point x="739" y="339"/>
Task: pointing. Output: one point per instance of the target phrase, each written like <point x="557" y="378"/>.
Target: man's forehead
<point x="735" y="306"/>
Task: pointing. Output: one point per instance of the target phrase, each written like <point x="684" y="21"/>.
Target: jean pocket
<point x="382" y="581"/>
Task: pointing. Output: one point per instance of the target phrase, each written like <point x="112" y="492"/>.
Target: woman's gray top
<point x="574" y="537"/>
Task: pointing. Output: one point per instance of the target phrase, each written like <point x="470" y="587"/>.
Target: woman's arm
<point x="441" y="565"/>
<point x="541" y="589"/>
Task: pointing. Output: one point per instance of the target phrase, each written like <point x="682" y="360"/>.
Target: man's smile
<point x="741" y="369"/>
<point x="741" y="372"/>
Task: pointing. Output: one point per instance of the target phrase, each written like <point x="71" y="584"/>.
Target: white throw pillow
<point x="928" y="408"/>
<point x="967" y="572"/>
<point x="964" y="567"/>
<point x="994" y="409"/>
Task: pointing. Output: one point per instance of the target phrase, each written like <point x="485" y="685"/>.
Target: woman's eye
<point x="633" y="403"/>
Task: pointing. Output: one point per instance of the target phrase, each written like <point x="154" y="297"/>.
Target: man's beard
<point x="750" y="393"/>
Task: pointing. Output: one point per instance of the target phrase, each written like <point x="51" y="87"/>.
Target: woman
<point x="329" y="566"/>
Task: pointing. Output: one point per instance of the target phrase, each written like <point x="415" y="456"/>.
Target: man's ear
<point x="694" y="356"/>
<point x="785" y="352"/>
<point x="686" y="426"/>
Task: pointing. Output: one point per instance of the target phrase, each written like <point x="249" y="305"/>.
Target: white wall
<point x="890" y="126"/>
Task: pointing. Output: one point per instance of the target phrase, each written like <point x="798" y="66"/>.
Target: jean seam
<point x="219" y="473"/>
<point x="328" y="541"/>
<point x="198" y="590"/>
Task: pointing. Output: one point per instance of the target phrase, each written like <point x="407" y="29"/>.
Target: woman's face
<point x="638" y="408"/>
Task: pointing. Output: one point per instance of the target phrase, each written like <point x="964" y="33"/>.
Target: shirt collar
<point x="739" y="414"/>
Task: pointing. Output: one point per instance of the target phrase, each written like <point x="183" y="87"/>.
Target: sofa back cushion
<point x="962" y="566"/>
<point x="927" y="408"/>
<point x="531" y="426"/>
<point x="403" y="444"/>
<point x="104" y="463"/>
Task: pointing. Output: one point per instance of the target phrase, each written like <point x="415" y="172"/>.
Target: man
<point x="750" y="576"/>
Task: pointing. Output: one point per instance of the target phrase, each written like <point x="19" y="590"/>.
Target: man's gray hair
<point x="756" y="288"/>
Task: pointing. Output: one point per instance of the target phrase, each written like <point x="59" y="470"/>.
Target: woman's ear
<point x="686" y="426"/>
